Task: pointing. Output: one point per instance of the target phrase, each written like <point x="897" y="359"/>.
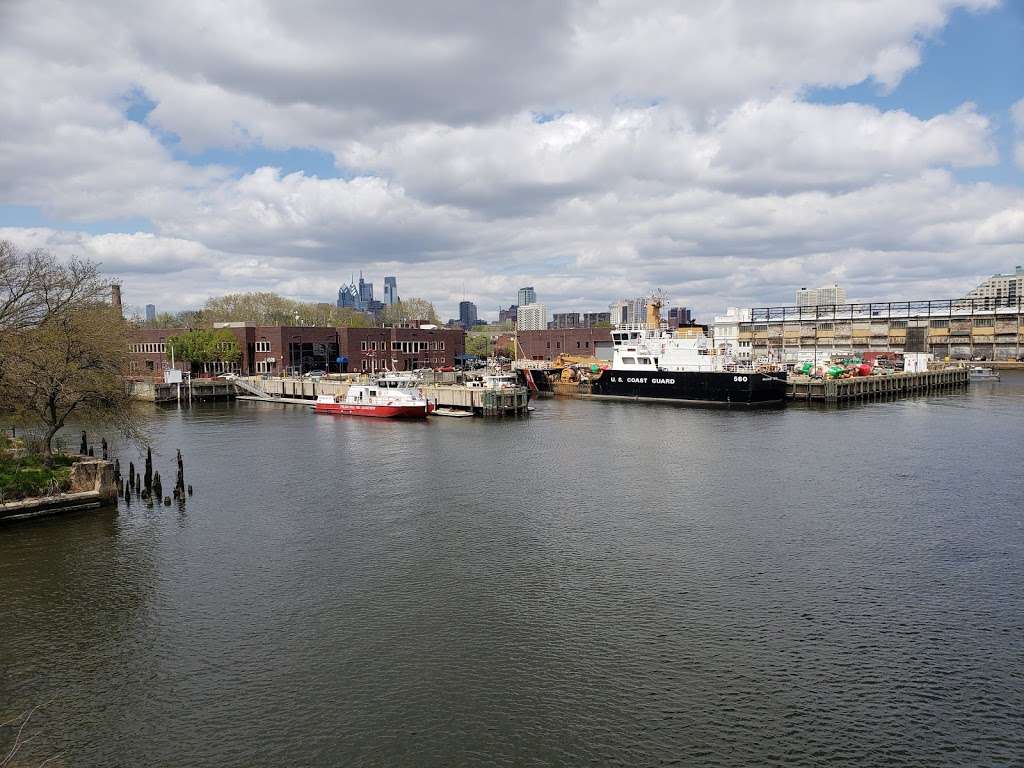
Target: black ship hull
<point x="703" y="388"/>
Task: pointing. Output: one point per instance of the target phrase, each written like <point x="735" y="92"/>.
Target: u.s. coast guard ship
<point x="653" y="363"/>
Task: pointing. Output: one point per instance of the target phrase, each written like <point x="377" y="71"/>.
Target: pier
<point x="874" y="387"/>
<point x="480" y="401"/>
<point x="198" y="389"/>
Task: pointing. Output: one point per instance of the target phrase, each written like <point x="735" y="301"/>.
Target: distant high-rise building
<point x="531" y="317"/>
<point x="359" y="296"/>
<point x="1000" y="290"/>
<point x="365" y="290"/>
<point x="391" y="290"/>
<point x="467" y="314"/>
<point x="628" y="311"/>
<point x="150" y="313"/>
<point x="812" y="297"/>
<point x="527" y="296"/>
<point x="565" y="320"/>
<point x="590" y="319"/>
<point x="679" y="316"/>
<point x="348" y="297"/>
<point x="507" y="315"/>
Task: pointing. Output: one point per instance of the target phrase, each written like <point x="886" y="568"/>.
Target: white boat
<point x="979" y="373"/>
<point x="497" y="380"/>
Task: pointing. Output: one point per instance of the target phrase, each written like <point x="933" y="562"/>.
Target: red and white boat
<point x="390" y="397"/>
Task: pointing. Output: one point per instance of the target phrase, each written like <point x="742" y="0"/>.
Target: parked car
<point x="315" y="374"/>
<point x="228" y="376"/>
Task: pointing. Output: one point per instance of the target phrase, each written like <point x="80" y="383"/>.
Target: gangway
<point x="251" y="388"/>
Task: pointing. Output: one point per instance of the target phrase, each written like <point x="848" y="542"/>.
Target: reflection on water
<point x="600" y="582"/>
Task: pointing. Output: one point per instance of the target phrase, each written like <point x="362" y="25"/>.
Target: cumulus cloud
<point x="591" y="150"/>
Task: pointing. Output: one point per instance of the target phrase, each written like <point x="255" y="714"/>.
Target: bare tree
<point x="35" y="285"/>
<point x="63" y="349"/>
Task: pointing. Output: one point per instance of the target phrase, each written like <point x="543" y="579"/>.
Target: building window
<point x="898" y="324"/>
<point x="362" y="346"/>
<point x="939" y="324"/>
<point x="442" y="344"/>
<point x="984" y="322"/>
<point x="263" y="346"/>
<point x="264" y="366"/>
<point x="364" y="365"/>
<point x="395" y="346"/>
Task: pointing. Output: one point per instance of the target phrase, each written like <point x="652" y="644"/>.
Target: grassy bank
<point x="29" y="476"/>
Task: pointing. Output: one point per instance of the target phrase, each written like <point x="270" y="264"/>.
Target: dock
<point x="890" y="385"/>
<point x="199" y="389"/>
<point x="479" y="401"/>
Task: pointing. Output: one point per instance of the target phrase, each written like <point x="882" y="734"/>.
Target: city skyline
<point x="611" y="150"/>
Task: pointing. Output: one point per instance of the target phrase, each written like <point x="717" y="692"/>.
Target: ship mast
<point x="654" y="304"/>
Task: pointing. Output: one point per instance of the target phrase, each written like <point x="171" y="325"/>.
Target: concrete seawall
<point x="91" y="487"/>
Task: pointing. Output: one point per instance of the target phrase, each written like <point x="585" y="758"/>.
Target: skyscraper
<point x="390" y="290"/>
<point x="527" y="296"/>
<point x="365" y="291"/>
<point x="150" y="313"/>
<point x="467" y="314"/>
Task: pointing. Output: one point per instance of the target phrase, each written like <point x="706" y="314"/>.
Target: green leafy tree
<point x="204" y="346"/>
<point x="479" y="344"/>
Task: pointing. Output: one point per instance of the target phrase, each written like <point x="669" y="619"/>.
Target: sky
<point x="725" y="153"/>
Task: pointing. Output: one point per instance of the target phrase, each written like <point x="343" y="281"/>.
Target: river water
<point x="597" y="583"/>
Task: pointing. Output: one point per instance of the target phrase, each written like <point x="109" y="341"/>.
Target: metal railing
<point x="890" y="310"/>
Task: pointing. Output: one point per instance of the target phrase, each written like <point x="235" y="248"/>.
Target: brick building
<point x="399" y="348"/>
<point x="277" y="350"/>
<point x="549" y="344"/>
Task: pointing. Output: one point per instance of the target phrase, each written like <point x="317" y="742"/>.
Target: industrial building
<point x="956" y="328"/>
